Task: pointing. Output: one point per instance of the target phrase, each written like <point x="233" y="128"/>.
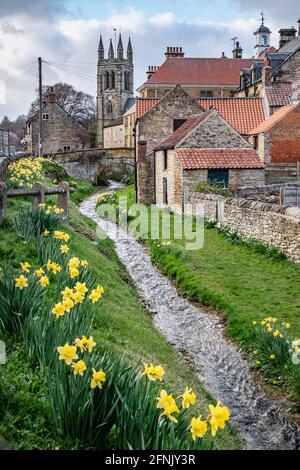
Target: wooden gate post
<point x="3" y="200"/>
<point x="40" y="197"/>
<point x="282" y="196"/>
<point x="64" y="198"/>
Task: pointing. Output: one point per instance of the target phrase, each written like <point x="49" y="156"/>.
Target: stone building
<point x="200" y="77"/>
<point x="114" y="85"/>
<point x="157" y="119"/>
<point x="204" y="149"/>
<point x="113" y="134"/>
<point x="61" y="132"/>
<point x="277" y="139"/>
<point x="4" y="143"/>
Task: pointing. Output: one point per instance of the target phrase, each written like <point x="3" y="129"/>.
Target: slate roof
<point x="279" y="94"/>
<point x="217" y="158"/>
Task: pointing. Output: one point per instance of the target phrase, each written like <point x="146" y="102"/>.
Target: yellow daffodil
<point x="79" y="367"/>
<point x="44" y="281"/>
<point x="98" y="378"/>
<point x="25" y="267"/>
<point x="39" y="272"/>
<point x="68" y="304"/>
<point x="198" y="428"/>
<point x="188" y="398"/>
<point x="96" y="294"/>
<point x="74" y="272"/>
<point x="90" y="344"/>
<point x="168" y="404"/>
<point x="254" y="322"/>
<point x="81" y="287"/>
<point x="67" y="293"/>
<point x="219" y="416"/>
<point x="80" y="343"/>
<point x="272" y="357"/>
<point x="276" y="333"/>
<point x="257" y="363"/>
<point x="59" y="310"/>
<point x="64" y="248"/>
<point x="74" y="263"/>
<point x="84" y="263"/>
<point x="46" y="232"/>
<point x="21" y="282"/>
<point x="77" y="297"/>
<point x="67" y="353"/>
<point x="153" y="372"/>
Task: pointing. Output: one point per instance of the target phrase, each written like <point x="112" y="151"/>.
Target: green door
<point x="218" y="177"/>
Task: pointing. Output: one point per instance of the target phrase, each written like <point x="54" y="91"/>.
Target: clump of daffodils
<point x="74" y="296"/>
<point x="25" y="172"/>
<point x="74" y="266"/>
<point x="106" y="198"/>
<point x="51" y="208"/>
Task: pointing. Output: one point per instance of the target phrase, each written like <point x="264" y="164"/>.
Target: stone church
<point x="114" y="84"/>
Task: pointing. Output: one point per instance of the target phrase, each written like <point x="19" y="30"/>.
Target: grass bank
<point x="122" y="325"/>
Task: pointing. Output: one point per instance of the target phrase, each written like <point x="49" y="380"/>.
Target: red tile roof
<point x="182" y="131"/>
<point x="144" y="104"/>
<point x="243" y="114"/>
<point x="274" y="119"/>
<point x="199" y="71"/>
<point x="280" y="94"/>
<point x="262" y="55"/>
<point x="209" y="158"/>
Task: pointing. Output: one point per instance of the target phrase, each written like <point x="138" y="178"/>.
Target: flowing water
<point x="198" y="334"/>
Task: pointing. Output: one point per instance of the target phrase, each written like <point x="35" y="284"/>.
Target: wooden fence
<point x="282" y="172"/>
<point x="290" y="196"/>
<point x="38" y="193"/>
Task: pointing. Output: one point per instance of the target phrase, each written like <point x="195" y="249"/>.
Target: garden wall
<point x="270" y="223"/>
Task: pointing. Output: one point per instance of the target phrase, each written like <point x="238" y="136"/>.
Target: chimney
<point x="223" y="56"/>
<point x="151" y="70"/>
<point x="237" y="51"/>
<point x="51" y="95"/>
<point x="174" y="52"/>
<point x="286" y="35"/>
<point x="267" y="73"/>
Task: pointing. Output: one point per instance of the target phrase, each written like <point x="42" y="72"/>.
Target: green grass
<point x="122" y="325"/>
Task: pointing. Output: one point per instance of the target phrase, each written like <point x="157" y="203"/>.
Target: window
<point x="264" y="40"/>
<point x="127" y="81"/>
<point x="45" y="116"/>
<point x="66" y="148"/>
<point x="112" y="80"/>
<point x="165" y="159"/>
<point x="106" y="84"/>
<point x="178" y="123"/>
<point x="218" y="177"/>
<point x="165" y="191"/>
<point x="206" y="94"/>
<point x="109" y="107"/>
<point x="255" y="142"/>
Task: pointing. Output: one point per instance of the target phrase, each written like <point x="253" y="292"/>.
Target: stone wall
<point x="173" y="173"/>
<point x="270" y="223"/>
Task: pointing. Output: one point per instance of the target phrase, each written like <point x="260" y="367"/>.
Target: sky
<point x="65" y="33"/>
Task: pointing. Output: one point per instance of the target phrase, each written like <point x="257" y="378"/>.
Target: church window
<point x="109" y="107"/>
<point x="127" y="81"/>
<point x="106" y="80"/>
<point x="113" y="80"/>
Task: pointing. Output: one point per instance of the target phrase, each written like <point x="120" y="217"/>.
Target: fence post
<point x="220" y="210"/>
<point x="3" y="200"/>
<point x="40" y="197"/>
<point x="64" y="198"/>
<point x="282" y="196"/>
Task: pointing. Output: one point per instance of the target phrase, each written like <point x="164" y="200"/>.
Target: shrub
<point x="54" y="171"/>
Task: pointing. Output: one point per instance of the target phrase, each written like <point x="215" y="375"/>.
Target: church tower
<point x="262" y="35"/>
<point x="114" y="84"/>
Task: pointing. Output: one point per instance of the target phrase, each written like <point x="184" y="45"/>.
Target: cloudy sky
<point x="65" y="34"/>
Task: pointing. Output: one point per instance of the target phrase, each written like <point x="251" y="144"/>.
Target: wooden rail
<point x="38" y="193"/>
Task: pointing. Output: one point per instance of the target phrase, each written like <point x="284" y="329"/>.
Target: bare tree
<point x="81" y="106"/>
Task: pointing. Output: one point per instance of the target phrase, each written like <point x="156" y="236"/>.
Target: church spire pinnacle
<point x="100" y="50"/>
<point x="120" y="48"/>
<point x="111" y="53"/>
<point x="129" y="51"/>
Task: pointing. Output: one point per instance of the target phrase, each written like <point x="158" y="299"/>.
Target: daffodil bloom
<point x="44" y="281"/>
<point x="80" y="343"/>
<point x="168" y="404"/>
<point x="84" y="263"/>
<point x="79" y="367"/>
<point x="98" y="378"/>
<point x="77" y="297"/>
<point x="254" y="322"/>
<point x="90" y="344"/>
<point x="67" y="293"/>
<point x="67" y="353"/>
<point x="46" y="232"/>
<point x="25" y="267"/>
<point x="74" y="273"/>
<point x="81" y="287"/>
<point x="154" y="372"/>
<point x="96" y="294"/>
<point x="198" y="428"/>
<point x="218" y="418"/>
<point x="58" y="210"/>
<point x="59" y="310"/>
<point x="269" y="329"/>
<point x="276" y="333"/>
<point x="255" y="353"/>
<point x="21" y="282"/>
<point x="42" y="205"/>
<point x="68" y="304"/>
<point x="272" y="357"/>
<point x="39" y="272"/>
<point x="257" y="363"/>
<point x="74" y="263"/>
<point x="188" y="398"/>
<point x="64" y="248"/>
<point x="53" y="267"/>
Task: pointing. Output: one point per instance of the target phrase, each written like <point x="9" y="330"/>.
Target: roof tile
<point x="274" y="119"/>
<point x="214" y="158"/>
<point x="280" y="94"/>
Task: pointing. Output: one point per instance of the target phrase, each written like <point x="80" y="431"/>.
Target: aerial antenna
<point x="234" y="41"/>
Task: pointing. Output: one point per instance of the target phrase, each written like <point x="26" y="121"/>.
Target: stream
<point x="199" y="335"/>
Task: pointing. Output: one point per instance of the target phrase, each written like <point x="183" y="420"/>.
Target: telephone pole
<point x="40" y="108"/>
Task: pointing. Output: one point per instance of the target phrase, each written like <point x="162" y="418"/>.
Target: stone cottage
<point x="277" y="139"/>
<point x="61" y="132"/>
<point x="205" y="148"/>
